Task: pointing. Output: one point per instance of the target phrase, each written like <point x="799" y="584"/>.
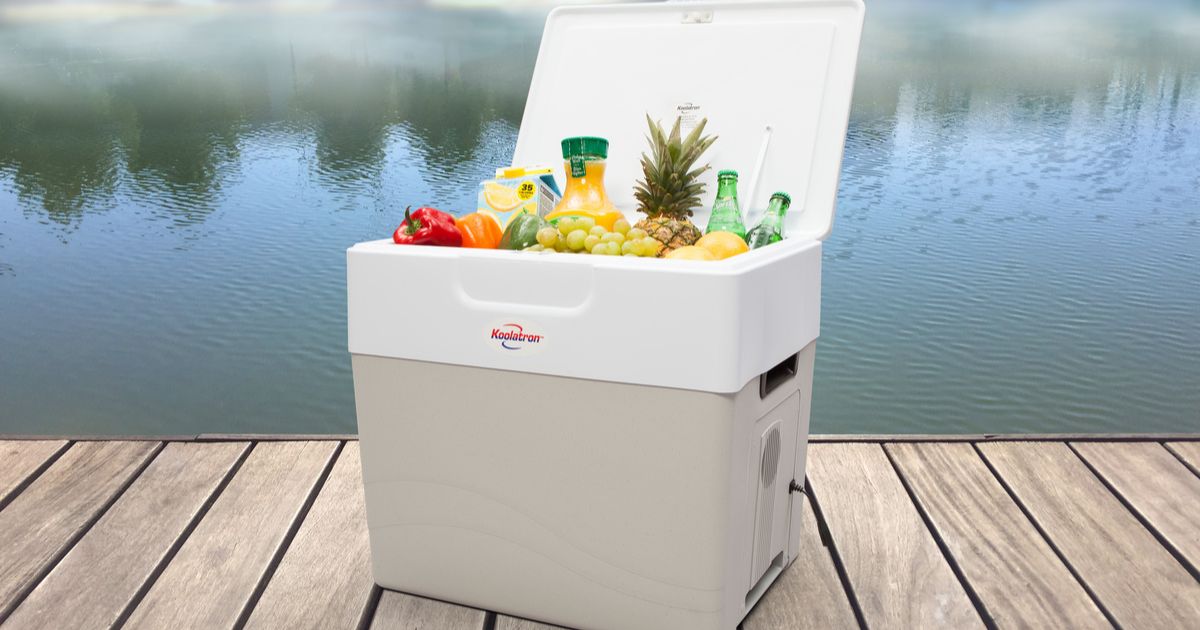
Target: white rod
<point x="756" y="174"/>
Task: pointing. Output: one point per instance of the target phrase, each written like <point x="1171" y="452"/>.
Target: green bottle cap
<point x="787" y="199"/>
<point x="585" y="146"/>
<point x="727" y="173"/>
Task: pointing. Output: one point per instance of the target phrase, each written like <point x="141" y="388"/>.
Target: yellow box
<point x="518" y="190"/>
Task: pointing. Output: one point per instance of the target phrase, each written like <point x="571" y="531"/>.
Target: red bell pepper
<point x="427" y="226"/>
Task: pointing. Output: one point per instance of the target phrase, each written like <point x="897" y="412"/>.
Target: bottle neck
<point x="584" y="168"/>
<point x="775" y="212"/>
<point x="727" y="188"/>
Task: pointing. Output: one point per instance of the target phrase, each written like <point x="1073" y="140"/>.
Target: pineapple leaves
<point x="695" y="134"/>
<point x="670" y="186"/>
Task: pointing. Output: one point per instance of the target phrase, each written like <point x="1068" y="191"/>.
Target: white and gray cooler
<point x="610" y="442"/>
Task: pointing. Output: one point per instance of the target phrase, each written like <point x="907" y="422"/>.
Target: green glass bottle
<point x="726" y="215"/>
<point x="770" y="229"/>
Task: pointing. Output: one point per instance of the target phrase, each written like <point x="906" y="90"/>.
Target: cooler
<point x="612" y="442"/>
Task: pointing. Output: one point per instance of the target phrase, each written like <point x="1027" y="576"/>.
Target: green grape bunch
<point x="581" y="235"/>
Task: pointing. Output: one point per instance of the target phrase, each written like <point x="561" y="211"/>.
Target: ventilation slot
<point x="765" y="519"/>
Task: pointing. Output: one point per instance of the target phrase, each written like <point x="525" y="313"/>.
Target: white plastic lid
<point x="781" y="71"/>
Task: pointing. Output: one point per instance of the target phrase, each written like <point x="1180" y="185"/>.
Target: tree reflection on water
<point x="60" y="145"/>
<point x="82" y="131"/>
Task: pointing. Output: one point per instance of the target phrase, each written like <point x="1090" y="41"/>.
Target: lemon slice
<point x="500" y="197"/>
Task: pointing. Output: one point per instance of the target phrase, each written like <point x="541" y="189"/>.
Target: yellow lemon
<point x="691" y="252"/>
<point x="500" y="197"/>
<point x="723" y="244"/>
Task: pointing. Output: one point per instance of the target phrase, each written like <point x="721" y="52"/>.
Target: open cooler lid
<point x="778" y="73"/>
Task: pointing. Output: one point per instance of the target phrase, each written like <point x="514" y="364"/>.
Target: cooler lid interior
<point x="777" y="74"/>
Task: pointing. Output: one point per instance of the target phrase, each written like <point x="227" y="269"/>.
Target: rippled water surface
<point x="1017" y="245"/>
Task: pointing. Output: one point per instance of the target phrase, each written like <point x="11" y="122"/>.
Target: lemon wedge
<point x="500" y="197"/>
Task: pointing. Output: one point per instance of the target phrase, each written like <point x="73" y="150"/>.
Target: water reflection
<point x="1018" y="193"/>
<point x="351" y="106"/>
<point x="58" y="147"/>
<point x="1016" y="245"/>
<point x="167" y="131"/>
<point x="183" y="144"/>
<point x="448" y="114"/>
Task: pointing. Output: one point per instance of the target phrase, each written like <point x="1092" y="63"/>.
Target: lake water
<point x="1017" y="246"/>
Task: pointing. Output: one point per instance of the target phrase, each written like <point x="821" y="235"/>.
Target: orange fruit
<point x="722" y="245"/>
<point x="691" y="252"/>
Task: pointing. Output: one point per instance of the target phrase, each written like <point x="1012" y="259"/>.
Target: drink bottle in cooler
<point x="770" y="229"/>
<point x="726" y="215"/>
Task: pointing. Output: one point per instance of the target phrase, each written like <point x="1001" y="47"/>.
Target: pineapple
<point x="670" y="187"/>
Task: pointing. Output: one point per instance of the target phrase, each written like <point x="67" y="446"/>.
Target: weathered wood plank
<point x="809" y="593"/>
<point x="45" y="519"/>
<point x="513" y="623"/>
<point x="1001" y="437"/>
<point x="400" y="611"/>
<point x="324" y="580"/>
<point x="1013" y="571"/>
<point x="104" y="571"/>
<point x="1155" y="484"/>
<point x="21" y="461"/>
<point x="1134" y="578"/>
<point x="1189" y="452"/>
<point x="815" y="437"/>
<point x="895" y="569"/>
<point x="216" y="572"/>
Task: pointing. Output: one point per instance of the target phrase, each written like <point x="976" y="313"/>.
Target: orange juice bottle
<point x="584" y="195"/>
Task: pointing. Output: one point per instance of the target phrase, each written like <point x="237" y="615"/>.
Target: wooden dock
<point x="904" y="532"/>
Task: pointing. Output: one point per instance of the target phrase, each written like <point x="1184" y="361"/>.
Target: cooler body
<point x="623" y="462"/>
<point x="584" y="503"/>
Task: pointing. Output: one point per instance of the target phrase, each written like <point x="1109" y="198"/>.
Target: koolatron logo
<point x="514" y="337"/>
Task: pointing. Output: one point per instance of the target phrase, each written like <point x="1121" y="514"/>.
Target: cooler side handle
<point x="785" y="371"/>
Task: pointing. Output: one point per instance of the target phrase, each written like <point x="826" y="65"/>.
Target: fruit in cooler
<point x="479" y="230"/>
<point x="522" y="231"/>
<point x="427" y="226"/>
<point x="547" y="236"/>
<point x="581" y="235"/>
<point x="670" y="186"/>
<point x="722" y="245"/>
<point x="575" y="239"/>
<point x="690" y="252"/>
